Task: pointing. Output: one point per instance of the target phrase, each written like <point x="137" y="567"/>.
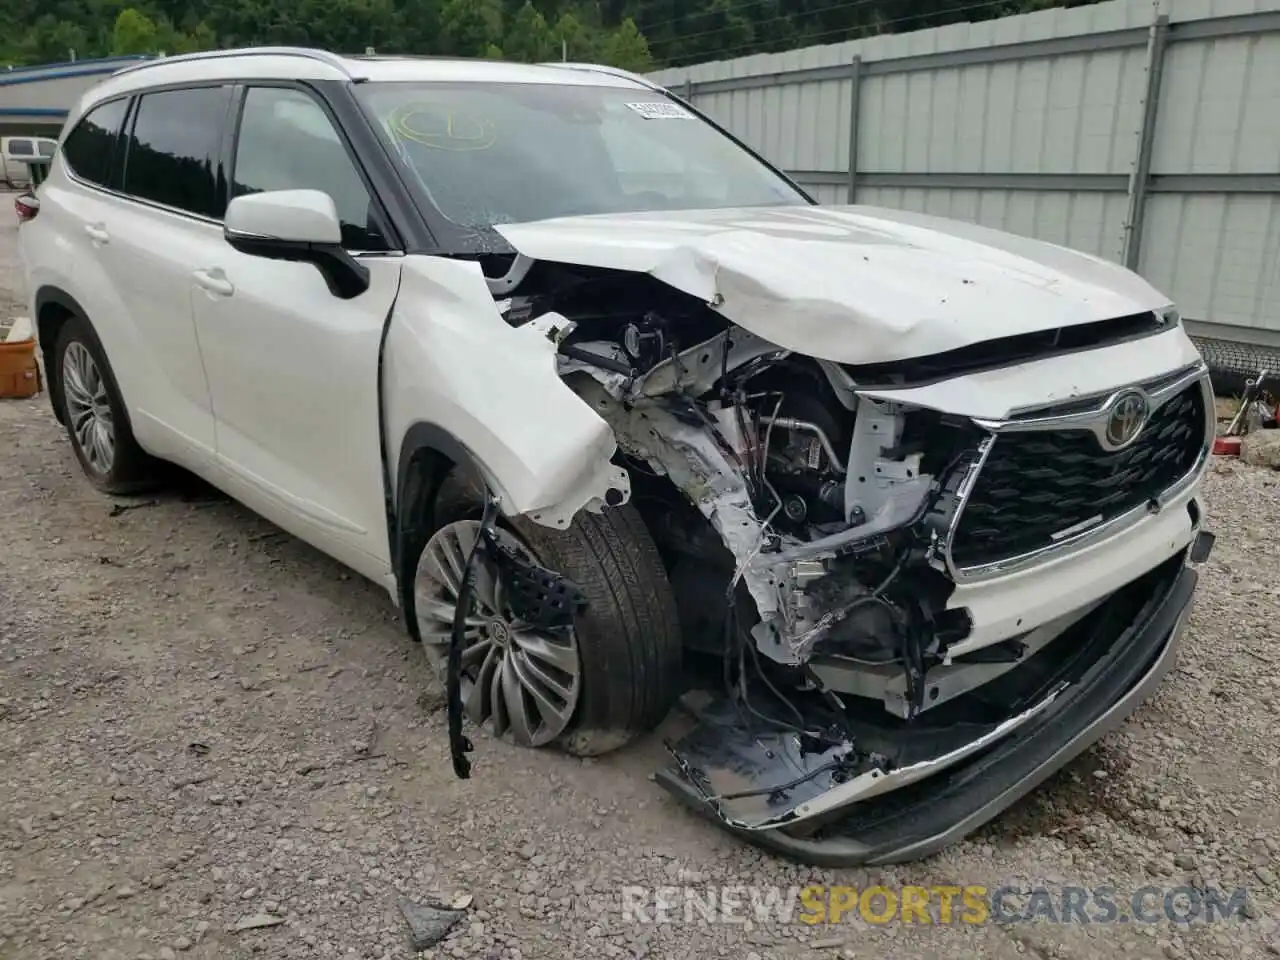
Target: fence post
<point x="855" y="96"/>
<point x="1140" y="176"/>
<point x="688" y="90"/>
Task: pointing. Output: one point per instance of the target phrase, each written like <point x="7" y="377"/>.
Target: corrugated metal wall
<point x="1145" y="133"/>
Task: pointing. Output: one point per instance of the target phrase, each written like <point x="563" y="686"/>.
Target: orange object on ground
<point x="19" y="371"/>
<point x="1226" y="447"/>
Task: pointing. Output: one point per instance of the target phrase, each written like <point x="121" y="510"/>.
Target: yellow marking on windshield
<point x="442" y="128"/>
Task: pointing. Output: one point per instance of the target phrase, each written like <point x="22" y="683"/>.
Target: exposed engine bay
<point x="809" y="532"/>
<point x="768" y="482"/>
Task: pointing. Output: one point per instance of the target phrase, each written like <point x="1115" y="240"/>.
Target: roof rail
<point x="324" y="56"/>
<point x="608" y="71"/>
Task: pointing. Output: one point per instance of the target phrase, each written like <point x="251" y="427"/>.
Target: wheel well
<point x="422" y="470"/>
<point x="51" y="313"/>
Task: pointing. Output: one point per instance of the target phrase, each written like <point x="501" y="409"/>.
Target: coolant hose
<point x="459" y="745"/>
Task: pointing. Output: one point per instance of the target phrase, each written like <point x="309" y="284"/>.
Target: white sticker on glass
<point x="661" y="110"/>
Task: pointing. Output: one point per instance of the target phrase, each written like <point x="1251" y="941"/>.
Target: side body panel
<point x="452" y="363"/>
<point x="148" y="257"/>
<point x="293" y="374"/>
<point x="127" y="267"/>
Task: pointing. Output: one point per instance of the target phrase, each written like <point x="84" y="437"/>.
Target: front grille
<point x="1039" y="483"/>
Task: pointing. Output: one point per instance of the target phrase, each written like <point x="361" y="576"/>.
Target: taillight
<point x="27" y="205"/>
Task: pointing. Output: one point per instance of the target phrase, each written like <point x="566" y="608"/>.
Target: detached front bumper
<point x="923" y="817"/>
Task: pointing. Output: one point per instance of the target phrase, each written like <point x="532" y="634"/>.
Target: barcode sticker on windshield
<point x="661" y="110"/>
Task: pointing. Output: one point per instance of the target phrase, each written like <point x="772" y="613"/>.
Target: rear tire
<point x="95" y="416"/>
<point x="628" y="638"/>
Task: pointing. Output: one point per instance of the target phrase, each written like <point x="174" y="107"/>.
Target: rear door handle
<point x="97" y="232"/>
<point x="215" y="281"/>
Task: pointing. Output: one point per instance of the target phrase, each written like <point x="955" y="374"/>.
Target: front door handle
<point x="97" y="232"/>
<point x="215" y="281"/>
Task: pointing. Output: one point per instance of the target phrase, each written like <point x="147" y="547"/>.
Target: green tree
<point x="468" y="27"/>
<point x="50" y="40"/>
<point x="529" y="39"/>
<point x="574" y="39"/>
<point x="636" y="34"/>
<point x="134" y="32"/>
<point x="494" y="52"/>
<point x="626" y="48"/>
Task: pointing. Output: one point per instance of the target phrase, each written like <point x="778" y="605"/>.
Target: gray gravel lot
<point x="202" y="720"/>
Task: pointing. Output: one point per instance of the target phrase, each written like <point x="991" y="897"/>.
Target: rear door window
<point x="173" y="150"/>
<point x="20" y="148"/>
<point x="89" y="147"/>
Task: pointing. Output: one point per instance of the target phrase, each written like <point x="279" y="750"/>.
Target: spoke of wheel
<point x="73" y="373"/>
<point x="497" y="702"/>
<point x="514" y="701"/>
<point x="559" y="654"/>
<point x="476" y="653"/>
<point x="552" y="704"/>
<point x="99" y="457"/>
<point x="443" y="611"/>
<point x="478" y="702"/>
<point x="449" y="557"/>
<point x="83" y="426"/>
<point x="92" y="379"/>
<point x="538" y="679"/>
<point x="448" y="567"/>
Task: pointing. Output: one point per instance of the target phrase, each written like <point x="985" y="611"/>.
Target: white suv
<point x="615" y="412"/>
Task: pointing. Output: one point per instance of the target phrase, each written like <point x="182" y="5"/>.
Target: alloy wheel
<point x="88" y="408"/>
<point x="518" y="679"/>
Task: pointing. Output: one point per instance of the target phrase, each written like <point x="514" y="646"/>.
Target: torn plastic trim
<point x="603" y="485"/>
<point x="881" y="778"/>
<point x="971" y="794"/>
<point x="875" y="783"/>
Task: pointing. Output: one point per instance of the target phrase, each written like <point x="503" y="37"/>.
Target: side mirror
<point x="296" y="225"/>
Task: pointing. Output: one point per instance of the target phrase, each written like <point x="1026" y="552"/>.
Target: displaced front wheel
<point x="590" y="688"/>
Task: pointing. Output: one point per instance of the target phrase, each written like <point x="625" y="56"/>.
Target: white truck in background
<point x="16" y="155"/>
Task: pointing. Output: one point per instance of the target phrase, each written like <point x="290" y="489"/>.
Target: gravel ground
<point x="203" y="719"/>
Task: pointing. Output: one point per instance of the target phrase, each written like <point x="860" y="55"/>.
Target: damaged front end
<point x="881" y="595"/>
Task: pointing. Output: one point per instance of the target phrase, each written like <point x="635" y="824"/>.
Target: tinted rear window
<point x="20" y="148"/>
<point x="173" y="150"/>
<point x="88" y="148"/>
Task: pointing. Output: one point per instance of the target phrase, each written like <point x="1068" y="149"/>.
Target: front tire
<point x="626" y="644"/>
<point x="95" y="416"/>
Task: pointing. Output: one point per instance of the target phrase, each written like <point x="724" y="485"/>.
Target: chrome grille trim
<point x="1158" y="392"/>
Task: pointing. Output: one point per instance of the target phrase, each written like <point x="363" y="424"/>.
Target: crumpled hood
<point x="851" y="284"/>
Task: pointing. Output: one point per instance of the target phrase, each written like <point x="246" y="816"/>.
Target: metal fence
<point x="1146" y="134"/>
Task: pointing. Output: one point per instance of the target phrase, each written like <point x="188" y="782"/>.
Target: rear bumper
<point x="939" y="811"/>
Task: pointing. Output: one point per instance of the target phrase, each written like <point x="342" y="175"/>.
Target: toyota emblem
<point x="1125" y="418"/>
